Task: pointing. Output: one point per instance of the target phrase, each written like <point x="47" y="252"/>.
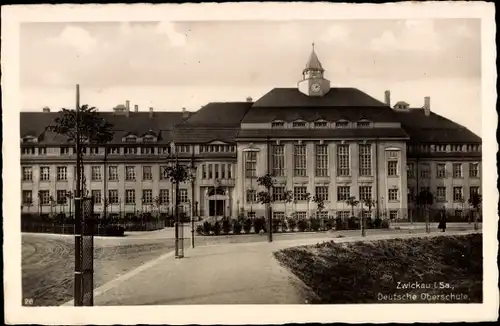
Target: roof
<point x="202" y="135"/>
<point x="322" y="133"/>
<point x="332" y="114"/>
<point x="434" y="128"/>
<point x="336" y="97"/>
<point x="218" y="114"/>
<point x="313" y="62"/>
<point x="137" y="123"/>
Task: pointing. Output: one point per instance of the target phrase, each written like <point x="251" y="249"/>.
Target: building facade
<point x="316" y="140"/>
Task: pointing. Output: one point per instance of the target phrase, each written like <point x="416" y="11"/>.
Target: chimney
<point x="46" y="109"/>
<point x="127" y="106"/>
<point x="185" y="113"/>
<point x="388" y="98"/>
<point x="249" y="99"/>
<point x="427" y="105"/>
<point x="136" y="108"/>
<point x="151" y="112"/>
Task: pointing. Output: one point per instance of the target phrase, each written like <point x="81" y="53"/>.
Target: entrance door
<point x="216" y="207"/>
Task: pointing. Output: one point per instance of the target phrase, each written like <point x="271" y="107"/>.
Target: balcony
<point x="211" y="182"/>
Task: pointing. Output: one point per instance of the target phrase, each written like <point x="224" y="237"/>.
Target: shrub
<point x="207" y="227"/>
<point x="384" y="224"/>
<point x="259" y="224"/>
<point x="247" y="225"/>
<point x="339" y="224"/>
<point x="291" y="224"/>
<point x="353" y="223"/>
<point x="302" y="225"/>
<point x="200" y="230"/>
<point x="226" y="226"/>
<point x="276" y="225"/>
<point x="112" y="230"/>
<point x="237" y="227"/>
<point x="315" y="224"/>
<point x="377" y="222"/>
<point x="328" y="224"/>
<point x="216" y="228"/>
<point x="369" y="223"/>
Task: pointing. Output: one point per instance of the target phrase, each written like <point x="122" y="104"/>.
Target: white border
<point x="220" y="314"/>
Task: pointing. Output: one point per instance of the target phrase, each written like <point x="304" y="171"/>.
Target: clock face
<point x="315" y="87"/>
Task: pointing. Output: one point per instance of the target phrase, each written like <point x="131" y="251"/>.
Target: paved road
<point x="244" y="273"/>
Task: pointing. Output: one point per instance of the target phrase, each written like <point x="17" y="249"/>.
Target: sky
<point x="175" y="65"/>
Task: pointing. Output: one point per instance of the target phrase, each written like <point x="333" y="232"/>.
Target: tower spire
<point x="313" y="64"/>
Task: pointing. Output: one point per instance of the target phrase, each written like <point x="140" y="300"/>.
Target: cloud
<point x="335" y="33"/>
<point x="175" y="38"/>
<point x="412" y="35"/>
<point x="77" y="38"/>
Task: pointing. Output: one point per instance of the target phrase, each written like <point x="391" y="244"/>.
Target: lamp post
<point x="192" y="202"/>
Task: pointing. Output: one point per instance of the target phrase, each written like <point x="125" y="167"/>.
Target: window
<point x="457" y="170"/>
<point x="229" y="173"/>
<point x="363" y="124"/>
<point x="183" y="196"/>
<point x="300" y="193"/>
<point x="473" y="170"/>
<point x="147" y="150"/>
<point x="44" y="197"/>
<point x="210" y="171"/>
<point x="343" y="214"/>
<point x="410" y="170"/>
<point x="96" y="173"/>
<point x="28" y="150"/>
<point x="44" y="173"/>
<point x="27" y="173"/>
<point x="341" y="124"/>
<point x="148" y="139"/>
<point x="278" y="153"/>
<point x="131" y="139"/>
<point x="251" y="214"/>
<point x="301" y="215"/>
<point x="27" y="197"/>
<point x="203" y="171"/>
<point x="425" y="170"/>
<point x="61" y="197"/>
<point x="42" y="151"/>
<point x="182" y="148"/>
<point x="441" y="194"/>
<point x="343" y="160"/>
<point x="320" y="124"/>
<point x="250" y="165"/>
<point x="164" y="196"/>
<point x="393" y="215"/>
<point x="425" y="189"/>
<point x="322" y="214"/>
<point x="94" y="150"/>
<point x="97" y="197"/>
<point x="130" y="151"/>
<point x="278" y="193"/>
<point x="343" y="193"/>
<point x="147" y="196"/>
<point x="411" y="194"/>
<point x="278" y="215"/>
<point x="441" y="170"/>
<point x="459" y="213"/>
<point x="473" y="191"/>
<point x="299" y="160"/>
<point x="163" y="172"/>
<point x="223" y="171"/>
<point x="277" y="124"/>
<point x="392" y="168"/>
<point x="64" y="150"/>
<point x="164" y="150"/>
<point x="130" y="196"/>
<point x="113" y="150"/>
<point x="113" y="173"/>
<point x="365" y="192"/>
<point x="322" y="192"/>
<point x="130" y="173"/>
<point x="321" y="160"/>
<point x="298" y="124"/>
<point x="365" y="160"/>
<point x="113" y="196"/>
<point x="147" y="173"/>
<point x="251" y="196"/>
<point x="366" y="214"/>
<point x="457" y="194"/>
<point x="216" y="171"/>
<point x="393" y="194"/>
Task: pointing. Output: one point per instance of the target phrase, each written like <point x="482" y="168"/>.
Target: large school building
<point x="315" y="139"/>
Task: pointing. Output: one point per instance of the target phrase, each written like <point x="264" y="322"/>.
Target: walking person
<point x="442" y="222"/>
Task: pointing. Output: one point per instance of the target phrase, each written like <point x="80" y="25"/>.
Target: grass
<point x="369" y="272"/>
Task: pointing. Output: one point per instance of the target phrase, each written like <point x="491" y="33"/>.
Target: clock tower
<point x="313" y="83"/>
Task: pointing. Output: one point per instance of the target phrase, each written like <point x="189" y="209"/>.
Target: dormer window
<point x="131" y="139"/>
<point x="277" y="124"/>
<point x="148" y="139"/>
<point x="364" y="124"/>
<point x="341" y="124"/>
<point x="29" y="139"/>
<point x="299" y="124"/>
<point x="320" y="124"/>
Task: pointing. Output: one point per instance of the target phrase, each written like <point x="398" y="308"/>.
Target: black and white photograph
<point x="214" y="163"/>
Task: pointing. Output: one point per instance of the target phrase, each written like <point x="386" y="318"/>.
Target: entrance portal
<point x="216" y="207"/>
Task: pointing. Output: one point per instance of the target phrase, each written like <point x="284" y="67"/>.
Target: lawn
<point x="415" y="270"/>
<point x="48" y="264"/>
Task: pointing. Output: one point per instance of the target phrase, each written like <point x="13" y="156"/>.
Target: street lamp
<point x="192" y="171"/>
